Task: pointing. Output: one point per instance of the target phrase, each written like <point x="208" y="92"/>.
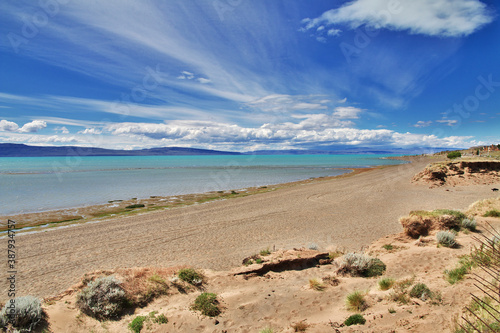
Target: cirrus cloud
<point x="445" y="18"/>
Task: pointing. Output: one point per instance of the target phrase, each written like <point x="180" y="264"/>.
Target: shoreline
<point x="347" y="212"/>
<point x="56" y="218"/>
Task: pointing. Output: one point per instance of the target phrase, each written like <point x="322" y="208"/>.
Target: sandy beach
<point x="345" y="212"/>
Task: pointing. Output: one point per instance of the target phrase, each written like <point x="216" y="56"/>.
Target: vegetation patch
<point x="103" y="298"/>
<point x="135" y="206"/>
<point x="446" y="238"/>
<point x="207" y="304"/>
<point x="357" y="264"/>
<point x="469" y="224"/>
<point x="316" y="284"/>
<point x="355" y="301"/>
<point x="457" y="274"/>
<point x="301" y="326"/>
<point x="191" y="276"/>
<point x="265" y="252"/>
<point x="137" y="324"/>
<point x="386" y="283"/>
<point x="454" y="154"/>
<point x="420" y="290"/>
<point x="355" y="319"/>
<point x="27" y="314"/>
<point x="492" y="213"/>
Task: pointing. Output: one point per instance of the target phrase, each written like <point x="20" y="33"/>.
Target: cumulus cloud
<point x="310" y="129"/>
<point x="347" y="112"/>
<point x="92" y="130"/>
<point x="422" y="123"/>
<point x="8" y="126"/>
<point x="446" y="18"/>
<point x="62" y="129"/>
<point x="33" y="126"/>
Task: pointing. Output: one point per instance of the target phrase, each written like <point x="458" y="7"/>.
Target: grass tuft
<point x="315" y="284"/>
<point x="207" y="304"/>
<point x="355" y="301"/>
<point x="301" y="326"/>
<point x="420" y="290"/>
<point x="386" y="283"/>
<point x="492" y="213"/>
<point x="137" y="324"/>
<point x="191" y="276"/>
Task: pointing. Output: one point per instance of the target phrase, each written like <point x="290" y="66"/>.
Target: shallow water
<point x="31" y="184"/>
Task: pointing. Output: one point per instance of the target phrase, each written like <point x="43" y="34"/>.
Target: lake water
<point x="31" y="184"/>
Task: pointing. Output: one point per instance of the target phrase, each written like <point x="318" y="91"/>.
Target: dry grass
<point x="317" y="285"/>
<point x="301" y="326"/>
<point x="480" y="207"/>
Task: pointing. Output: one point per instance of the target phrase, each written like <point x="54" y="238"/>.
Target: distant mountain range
<point x="22" y="150"/>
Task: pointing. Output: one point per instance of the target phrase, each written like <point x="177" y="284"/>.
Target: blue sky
<point x="247" y="75"/>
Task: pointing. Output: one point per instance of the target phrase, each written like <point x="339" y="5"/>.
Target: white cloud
<point x="312" y="129"/>
<point x="447" y="18"/>
<point x="8" y="126"/>
<point x="33" y="126"/>
<point x="203" y="80"/>
<point x="347" y="112"/>
<point x="92" y="131"/>
<point x="422" y="123"/>
<point x="52" y="139"/>
<point x="334" y="32"/>
<point x="62" y="129"/>
<point x="448" y="122"/>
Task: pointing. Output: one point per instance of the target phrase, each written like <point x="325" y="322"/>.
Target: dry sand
<point x="349" y="212"/>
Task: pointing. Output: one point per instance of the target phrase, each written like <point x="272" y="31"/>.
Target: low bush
<point x="191" y="276"/>
<point x="102" y="299"/>
<point x="492" y="213"/>
<point x="385" y="283"/>
<point x="469" y="224"/>
<point x="355" y="319"/>
<point x="27" y="313"/>
<point x="355" y="301"/>
<point x="358" y="264"/>
<point x="446" y="238"/>
<point x="420" y="290"/>
<point x="267" y="330"/>
<point x="207" y="304"/>
<point x="454" y="154"/>
<point x="137" y="324"/>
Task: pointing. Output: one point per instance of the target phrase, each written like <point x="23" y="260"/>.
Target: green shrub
<point x="137" y="324"/>
<point x="27" y="313"/>
<point x="361" y="265"/>
<point x="375" y="268"/>
<point x="191" y="276"/>
<point x="446" y="238"/>
<point x="161" y="319"/>
<point x="265" y="252"/>
<point x="135" y="206"/>
<point x="355" y="319"/>
<point x="207" y="304"/>
<point x="102" y="299"/>
<point x="355" y="301"/>
<point x="454" y="154"/>
<point x="420" y="290"/>
<point x="470" y="224"/>
<point x="388" y="247"/>
<point x="385" y="283"/>
<point x="492" y="213"/>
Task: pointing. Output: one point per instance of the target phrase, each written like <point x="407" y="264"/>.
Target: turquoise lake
<point x="31" y="184"/>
